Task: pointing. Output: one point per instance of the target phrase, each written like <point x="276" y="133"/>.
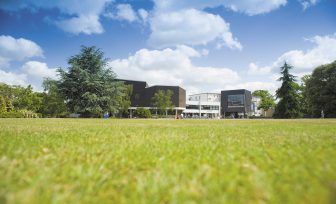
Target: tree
<point x="267" y="100"/>
<point x="125" y="101"/>
<point x="304" y="102"/>
<point x="142" y="113"/>
<point x="320" y="90"/>
<point x="89" y="86"/>
<point x="25" y="98"/>
<point x="19" y="98"/>
<point x="162" y="100"/>
<point x="288" y="105"/>
<point x="3" y="108"/>
<point x="9" y="105"/>
<point x="53" y="101"/>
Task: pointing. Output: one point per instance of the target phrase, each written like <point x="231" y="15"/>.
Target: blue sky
<point x="203" y="46"/>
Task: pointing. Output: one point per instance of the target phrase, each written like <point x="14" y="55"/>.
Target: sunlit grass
<point x="167" y="161"/>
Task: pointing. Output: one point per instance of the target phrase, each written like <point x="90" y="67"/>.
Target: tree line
<point x="89" y="88"/>
<point x="314" y="97"/>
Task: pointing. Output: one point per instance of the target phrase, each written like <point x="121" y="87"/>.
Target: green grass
<point x="167" y="161"/>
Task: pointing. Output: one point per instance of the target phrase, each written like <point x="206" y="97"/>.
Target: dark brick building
<point x="236" y="103"/>
<point x="142" y="94"/>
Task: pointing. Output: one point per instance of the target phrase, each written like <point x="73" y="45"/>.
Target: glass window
<point x="192" y="107"/>
<point x="236" y="100"/>
<point x="205" y="107"/>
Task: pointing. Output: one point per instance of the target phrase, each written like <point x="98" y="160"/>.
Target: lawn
<point x="167" y="161"/>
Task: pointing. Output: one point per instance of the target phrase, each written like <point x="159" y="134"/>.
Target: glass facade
<point x="236" y="100"/>
<point x="209" y="107"/>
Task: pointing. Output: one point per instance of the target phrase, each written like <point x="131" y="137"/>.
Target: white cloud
<point x="12" y="78"/>
<point x="86" y="13"/>
<point x="82" y="24"/>
<point x="323" y="52"/>
<point x="17" y="49"/>
<point x="125" y="12"/>
<point x="39" y="70"/>
<point x="174" y="22"/>
<point x="254" y="85"/>
<point x="303" y="61"/>
<point x="254" y="7"/>
<point x="191" y="27"/>
<point x="251" y="7"/>
<point x="32" y="72"/>
<point x="143" y="15"/>
<point x="307" y="3"/>
<point x="173" y="67"/>
<point x="254" y="69"/>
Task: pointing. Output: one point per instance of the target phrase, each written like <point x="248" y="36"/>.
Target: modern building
<point x="204" y="105"/>
<point x="236" y="103"/>
<point x="256" y="100"/>
<point x="142" y="95"/>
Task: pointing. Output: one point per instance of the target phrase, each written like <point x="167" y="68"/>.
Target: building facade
<point x="256" y="100"/>
<point x="142" y="95"/>
<point x="236" y="103"/>
<point x="204" y="105"/>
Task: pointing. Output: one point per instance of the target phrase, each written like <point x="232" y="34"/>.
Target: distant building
<point x="204" y="105"/>
<point x="256" y="100"/>
<point x="142" y="95"/>
<point x="236" y="103"/>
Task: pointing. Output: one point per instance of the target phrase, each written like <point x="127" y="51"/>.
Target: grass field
<point x="167" y="161"/>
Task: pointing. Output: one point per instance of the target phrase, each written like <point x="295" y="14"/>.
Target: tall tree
<point x="304" y="102"/>
<point x="162" y="101"/>
<point x="53" y="101"/>
<point x="267" y="100"/>
<point x="320" y="90"/>
<point x="89" y="85"/>
<point x="288" y="105"/>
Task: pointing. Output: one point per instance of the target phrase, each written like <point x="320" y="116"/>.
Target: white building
<point x="203" y="105"/>
<point x="256" y="100"/>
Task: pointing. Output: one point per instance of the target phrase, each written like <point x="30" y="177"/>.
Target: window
<point x="192" y="107"/>
<point x="236" y="100"/>
<point x="205" y="107"/>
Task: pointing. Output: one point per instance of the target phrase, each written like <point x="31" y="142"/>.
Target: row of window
<point x="233" y="101"/>
<point x="203" y="107"/>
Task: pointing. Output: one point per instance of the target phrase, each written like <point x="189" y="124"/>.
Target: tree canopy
<point x="320" y="90"/>
<point x="89" y="86"/>
<point x="162" y="100"/>
<point x="267" y="100"/>
<point x="288" y="105"/>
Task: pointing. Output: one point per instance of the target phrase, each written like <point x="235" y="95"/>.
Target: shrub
<point x="142" y="113"/>
<point x="13" y="114"/>
<point x="20" y="114"/>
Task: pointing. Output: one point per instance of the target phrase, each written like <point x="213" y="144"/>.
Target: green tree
<point x="125" y="101"/>
<point x="267" y="100"/>
<point x="288" y="105"/>
<point x="25" y="98"/>
<point x="9" y="105"/>
<point x="53" y="101"/>
<point x="142" y="113"/>
<point x="304" y="102"/>
<point x="3" y="108"/>
<point x="162" y="101"/>
<point x="89" y="86"/>
<point x="320" y="90"/>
